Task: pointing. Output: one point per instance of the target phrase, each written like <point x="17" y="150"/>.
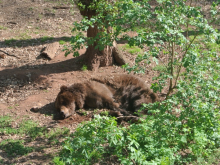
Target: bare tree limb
<point x="9" y="54"/>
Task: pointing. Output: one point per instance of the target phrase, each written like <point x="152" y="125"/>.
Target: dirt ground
<point x="29" y="80"/>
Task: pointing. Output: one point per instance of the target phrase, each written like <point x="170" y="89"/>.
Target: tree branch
<point x="10" y="54"/>
<point x="178" y="72"/>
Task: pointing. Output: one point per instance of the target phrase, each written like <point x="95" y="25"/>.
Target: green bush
<point x="185" y="126"/>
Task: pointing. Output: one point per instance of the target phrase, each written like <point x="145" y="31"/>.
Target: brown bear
<point x="129" y="91"/>
<point x="90" y="94"/>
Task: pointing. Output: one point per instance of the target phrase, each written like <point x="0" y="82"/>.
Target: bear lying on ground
<point x="129" y="90"/>
<point x="120" y="93"/>
<point x="90" y="94"/>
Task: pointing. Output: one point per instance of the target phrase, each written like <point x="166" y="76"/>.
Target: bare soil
<point x="29" y="82"/>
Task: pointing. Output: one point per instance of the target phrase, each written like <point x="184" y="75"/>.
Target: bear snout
<point x="64" y="112"/>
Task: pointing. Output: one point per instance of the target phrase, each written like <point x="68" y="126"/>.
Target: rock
<point x="36" y="108"/>
<point x="2" y="56"/>
<point x="50" y="50"/>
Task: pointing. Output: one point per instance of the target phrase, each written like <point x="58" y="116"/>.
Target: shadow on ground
<point x="32" y="42"/>
<point x="48" y="110"/>
<point x="29" y="74"/>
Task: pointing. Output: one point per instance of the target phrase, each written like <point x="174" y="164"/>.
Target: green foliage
<point x="46" y="38"/>
<point x="57" y="161"/>
<point x="29" y="128"/>
<point x="90" y="141"/>
<point x="169" y="39"/>
<point x="24" y="36"/>
<point x="116" y="15"/>
<point x="64" y="40"/>
<point x="212" y="159"/>
<point x="160" y="139"/>
<point x="132" y="49"/>
<point x="2" y="27"/>
<point x="15" y="148"/>
<point x="21" y="133"/>
<point x="84" y="68"/>
<point x="185" y="126"/>
<point x="104" y="113"/>
<point x="160" y="68"/>
<point x="61" y="42"/>
<point x="10" y="41"/>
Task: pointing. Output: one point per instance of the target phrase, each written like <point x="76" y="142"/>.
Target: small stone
<point x="36" y="108"/>
<point x="2" y="56"/>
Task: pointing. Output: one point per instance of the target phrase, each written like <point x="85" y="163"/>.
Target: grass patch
<point x="84" y="68"/>
<point x="2" y="27"/>
<point x="15" y="148"/>
<point x="46" y="38"/>
<point x="61" y="42"/>
<point x="24" y="36"/>
<point x="30" y="129"/>
<point x="64" y="40"/>
<point x="58" y="2"/>
<point x="31" y="9"/>
<point x="131" y="49"/>
<point x="5" y="125"/>
<point x="24" y="132"/>
<point x="10" y="41"/>
<point x="56" y="132"/>
<point x="160" y="68"/>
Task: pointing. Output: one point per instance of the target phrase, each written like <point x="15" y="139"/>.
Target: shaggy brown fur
<point x="128" y="90"/>
<point x="88" y="94"/>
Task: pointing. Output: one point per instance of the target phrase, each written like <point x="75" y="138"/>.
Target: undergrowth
<point x="184" y="127"/>
<point x="19" y="135"/>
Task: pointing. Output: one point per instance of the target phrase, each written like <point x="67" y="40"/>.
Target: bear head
<point x="65" y="102"/>
<point x="69" y="98"/>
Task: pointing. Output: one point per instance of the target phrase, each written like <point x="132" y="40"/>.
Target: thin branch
<point x="178" y="72"/>
<point x="10" y="54"/>
<point x="172" y="73"/>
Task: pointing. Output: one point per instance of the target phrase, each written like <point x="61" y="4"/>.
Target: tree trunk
<point x="107" y="57"/>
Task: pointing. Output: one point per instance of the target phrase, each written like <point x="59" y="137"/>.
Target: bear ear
<point x="63" y="88"/>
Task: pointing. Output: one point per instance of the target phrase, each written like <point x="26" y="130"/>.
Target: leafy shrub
<point x="182" y="129"/>
<point x="185" y="126"/>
